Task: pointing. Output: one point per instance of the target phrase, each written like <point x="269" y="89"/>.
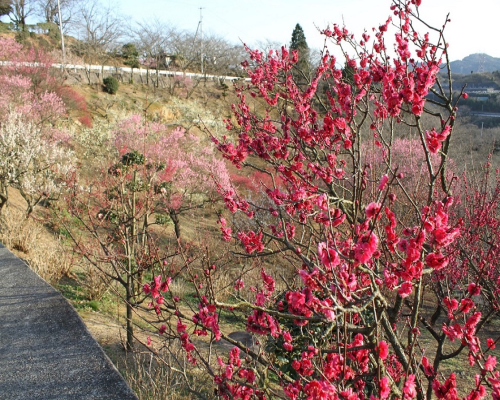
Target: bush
<point x="110" y="84"/>
<point x="22" y="36"/>
<point x="50" y="29"/>
<point x="6" y="27"/>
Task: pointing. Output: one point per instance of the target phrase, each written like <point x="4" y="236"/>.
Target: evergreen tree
<point x="131" y="55"/>
<point x="299" y="43"/>
<point x="5" y="7"/>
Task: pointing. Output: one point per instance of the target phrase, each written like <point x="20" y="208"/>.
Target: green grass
<point x="75" y="293"/>
<point x="235" y="319"/>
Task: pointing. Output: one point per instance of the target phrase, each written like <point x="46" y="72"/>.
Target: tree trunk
<point x="177" y="225"/>
<point x="4" y="196"/>
<point x="130" y="273"/>
<point x="130" y="327"/>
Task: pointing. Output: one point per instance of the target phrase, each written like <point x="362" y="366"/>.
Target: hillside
<point x="483" y="102"/>
<point x="478" y="62"/>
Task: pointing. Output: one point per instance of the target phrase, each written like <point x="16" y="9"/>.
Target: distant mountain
<point x="478" y="62"/>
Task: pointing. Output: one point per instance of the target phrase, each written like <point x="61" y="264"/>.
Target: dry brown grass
<point x="95" y="283"/>
<point x="165" y="376"/>
<point x="30" y="240"/>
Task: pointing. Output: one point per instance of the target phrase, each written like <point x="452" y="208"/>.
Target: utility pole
<point x="201" y="38"/>
<point x="61" y="30"/>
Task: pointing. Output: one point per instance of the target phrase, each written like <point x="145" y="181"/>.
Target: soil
<point x="105" y="330"/>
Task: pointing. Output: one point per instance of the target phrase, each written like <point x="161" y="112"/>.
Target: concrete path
<point x="46" y="352"/>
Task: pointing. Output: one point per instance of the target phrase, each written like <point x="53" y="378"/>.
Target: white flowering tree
<point x="31" y="160"/>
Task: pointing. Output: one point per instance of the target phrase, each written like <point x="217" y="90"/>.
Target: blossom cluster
<point x="342" y="215"/>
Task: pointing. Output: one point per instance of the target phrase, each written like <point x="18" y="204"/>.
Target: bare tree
<point x="153" y="38"/>
<point x="221" y="57"/>
<point x="186" y="50"/>
<point x="20" y="11"/>
<point x="49" y="10"/>
<point x="267" y="44"/>
<point x="99" y="31"/>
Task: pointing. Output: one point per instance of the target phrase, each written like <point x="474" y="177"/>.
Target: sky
<point x="473" y="27"/>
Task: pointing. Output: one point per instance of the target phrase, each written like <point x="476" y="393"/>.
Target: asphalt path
<point x="46" y="351"/>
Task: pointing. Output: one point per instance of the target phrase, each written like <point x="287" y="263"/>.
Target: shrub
<point x="51" y="29"/>
<point x="110" y="84"/>
<point x="86" y="120"/>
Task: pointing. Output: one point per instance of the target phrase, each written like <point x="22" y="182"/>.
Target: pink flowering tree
<point x="359" y="294"/>
<point x="408" y="161"/>
<point x="196" y="171"/>
<point x="158" y="175"/>
<point x="117" y="213"/>
<point x="28" y="82"/>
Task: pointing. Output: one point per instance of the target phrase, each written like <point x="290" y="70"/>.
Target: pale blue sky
<point x="473" y="25"/>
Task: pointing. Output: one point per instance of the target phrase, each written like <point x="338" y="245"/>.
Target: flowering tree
<point x="194" y="166"/>
<point x="116" y="215"/>
<point x="29" y="82"/>
<point x="30" y="161"/>
<point x="157" y="178"/>
<point x="33" y="150"/>
<point x="366" y="306"/>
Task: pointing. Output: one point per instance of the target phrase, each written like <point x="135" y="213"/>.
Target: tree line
<point x="103" y="34"/>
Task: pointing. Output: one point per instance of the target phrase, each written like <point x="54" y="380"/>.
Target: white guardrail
<point x="120" y="70"/>
<point x="142" y="71"/>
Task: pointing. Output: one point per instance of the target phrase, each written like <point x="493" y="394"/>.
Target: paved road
<point x="485" y="114"/>
<point x="46" y="352"/>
